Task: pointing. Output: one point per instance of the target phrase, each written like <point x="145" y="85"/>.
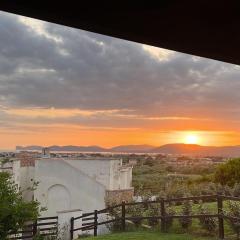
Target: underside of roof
<point x="206" y="28"/>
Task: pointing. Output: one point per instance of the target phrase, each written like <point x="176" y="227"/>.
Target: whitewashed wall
<point x="64" y="187"/>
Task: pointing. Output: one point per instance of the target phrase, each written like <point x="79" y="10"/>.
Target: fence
<point x="90" y="220"/>
<point x="43" y="226"/>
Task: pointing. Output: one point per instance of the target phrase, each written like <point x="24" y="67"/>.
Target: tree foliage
<point x="14" y="211"/>
<point x="228" y="173"/>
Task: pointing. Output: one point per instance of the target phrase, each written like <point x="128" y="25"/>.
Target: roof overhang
<point x="206" y="28"/>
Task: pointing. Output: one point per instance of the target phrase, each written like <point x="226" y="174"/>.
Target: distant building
<point x="46" y="153"/>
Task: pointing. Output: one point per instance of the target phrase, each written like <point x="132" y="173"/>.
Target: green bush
<point x="14" y="210"/>
<point x="169" y="221"/>
<point x="135" y="211"/>
<point x="234" y="211"/>
<point x="153" y="211"/>
<point x="228" y="173"/>
<point x="186" y="222"/>
<point x="207" y="223"/>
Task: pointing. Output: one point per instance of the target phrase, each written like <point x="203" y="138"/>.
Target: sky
<point x="65" y="86"/>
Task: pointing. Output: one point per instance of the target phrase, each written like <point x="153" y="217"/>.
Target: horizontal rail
<point x="109" y="221"/>
<point x="143" y="218"/>
<point x="231" y="218"/>
<point x="145" y="202"/>
<point x="47" y="234"/>
<point x="47" y="218"/>
<point x="47" y="229"/>
<point x="203" y="197"/>
<point x="192" y="216"/>
<point x="88" y="219"/>
<point x="47" y="223"/>
<point x="84" y="215"/>
<point x="109" y="208"/>
<point x="84" y="228"/>
<point x="23" y="231"/>
<point x="230" y="198"/>
<point x="6" y="168"/>
<point x="20" y="237"/>
<point x="86" y="224"/>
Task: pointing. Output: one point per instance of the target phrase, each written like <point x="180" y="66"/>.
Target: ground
<point x="147" y="236"/>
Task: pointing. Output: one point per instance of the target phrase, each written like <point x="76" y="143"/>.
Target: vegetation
<point x="208" y="223"/>
<point x="186" y="222"/>
<point x="14" y="211"/>
<point x="234" y="211"/>
<point x="159" y="178"/>
<point x="228" y="173"/>
<point x="147" y="235"/>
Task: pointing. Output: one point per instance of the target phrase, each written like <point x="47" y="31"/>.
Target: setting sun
<point x="191" y="139"/>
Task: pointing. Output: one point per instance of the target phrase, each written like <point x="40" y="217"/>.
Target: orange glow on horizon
<point x="191" y="139"/>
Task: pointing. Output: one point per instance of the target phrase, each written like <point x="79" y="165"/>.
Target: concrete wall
<point x="64" y="186"/>
<point x="119" y="176"/>
<point x="108" y="172"/>
<point x="16" y="172"/>
<point x="97" y="169"/>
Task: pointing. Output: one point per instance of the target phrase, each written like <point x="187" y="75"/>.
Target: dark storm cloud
<point x="56" y="66"/>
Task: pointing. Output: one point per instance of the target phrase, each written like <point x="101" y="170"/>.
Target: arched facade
<point x="58" y="198"/>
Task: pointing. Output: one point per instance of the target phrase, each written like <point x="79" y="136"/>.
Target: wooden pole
<point x="95" y="222"/>
<point x="220" y="217"/>
<point x="71" y="227"/>
<point x="163" y="228"/>
<point x="123" y="216"/>
<point x="35" y="228"/>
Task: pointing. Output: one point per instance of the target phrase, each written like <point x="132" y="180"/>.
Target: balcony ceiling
<point x="206" y="28"/>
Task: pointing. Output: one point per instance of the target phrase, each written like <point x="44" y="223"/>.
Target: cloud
<point x="158" y="53"/>
<point x="48" y="71"/>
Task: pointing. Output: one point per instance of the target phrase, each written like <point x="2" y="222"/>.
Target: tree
<point x="14" y="211"/>
<point x="228" y="173"/>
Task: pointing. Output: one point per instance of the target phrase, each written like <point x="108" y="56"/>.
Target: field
<point x="147" y="236"/>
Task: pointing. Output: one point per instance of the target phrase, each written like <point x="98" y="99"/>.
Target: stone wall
<point x="117" y="196"/>
<point x="26" y="159"/>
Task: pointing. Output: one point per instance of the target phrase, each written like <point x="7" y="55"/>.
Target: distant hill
<point x="178" y="148"/>
<point x="68" y="148"/>
<point x="194" y="149"/>
<point x="31" y="148"/>
<point x="132" y="148"/>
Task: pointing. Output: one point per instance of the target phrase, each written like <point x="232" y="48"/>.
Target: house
<point x="67" y="183"/>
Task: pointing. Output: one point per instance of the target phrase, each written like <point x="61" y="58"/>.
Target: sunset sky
<point x="64" y="86"/>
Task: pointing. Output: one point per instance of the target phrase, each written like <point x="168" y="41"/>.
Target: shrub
<point x="186" y="222"/>
<point x="135" y="211"/>
<point x="169" y="221"/>
<point x="114" y="213"/>
<point x="234" y="211"/>
<point x="153" y="211"/>
<point x="228" y="173"/>
<point x="208" y="223"/>
<point x="14" y="211"/>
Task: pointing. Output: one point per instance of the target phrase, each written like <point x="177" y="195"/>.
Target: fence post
<point x="220" y="217"/>
<point x="35" y="228"/>
<point x="123" y="216"/>
<point x="95" y="222"/>
<point x="163" y="229"/>
<point x="71" y="227"/>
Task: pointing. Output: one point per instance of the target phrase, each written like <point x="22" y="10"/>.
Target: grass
<point x="147" y="236"/>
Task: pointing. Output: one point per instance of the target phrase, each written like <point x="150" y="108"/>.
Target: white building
<point x="68" y="183"/>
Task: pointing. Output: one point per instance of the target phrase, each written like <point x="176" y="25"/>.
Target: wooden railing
<point x="90" y="220"/>
<point x="46" y="226"/>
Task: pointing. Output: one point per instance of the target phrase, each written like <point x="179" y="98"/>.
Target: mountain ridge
<point x="174" y="148"/>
